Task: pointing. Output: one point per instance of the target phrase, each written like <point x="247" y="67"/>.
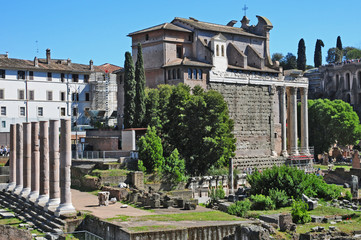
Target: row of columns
<point x="38" y="171"/>
<point x="289" y="121"/>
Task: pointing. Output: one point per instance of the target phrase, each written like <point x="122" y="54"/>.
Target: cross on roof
<point x="245" y="9"/>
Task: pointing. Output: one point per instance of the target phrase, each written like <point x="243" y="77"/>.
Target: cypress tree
<point x="318" y="53"/>
<point x="301" y="55"/>
<point x="339" y="43"/>
<point x="140" y="87"/>
<point x="129" y="91"/>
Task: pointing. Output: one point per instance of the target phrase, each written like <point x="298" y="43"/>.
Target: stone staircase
<point x="33" y="215"/>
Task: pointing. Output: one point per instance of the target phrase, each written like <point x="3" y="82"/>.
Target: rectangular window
<point x="86" y="78"/>
<point x="87" y="97"/>
<point x="62" y="77"/>
<point x="75" y="97"/>
<point x="31" y="95"/>
<point x="50" y="76"/>
<point x="62" y="96"/>
<point x="3" y="124"/>
<point x="22" y="111"/>
<point x="21" y="75"/>
<point x="21" y="95"/>
<point x="75" y="111"/>
<point x="3" y="111"/>
<point x="2" y="73"/>
<point x="2" y="94"/>
<point x="31" y="75"/>
<point x="49" y="95"/>
<point x="40" y="111"/>
<point x="179" y="51"/>
<point x="62" y="111"/>
<point x="75" y="77"/>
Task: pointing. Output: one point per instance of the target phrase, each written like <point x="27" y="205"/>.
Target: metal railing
<point x="104" y="155"/>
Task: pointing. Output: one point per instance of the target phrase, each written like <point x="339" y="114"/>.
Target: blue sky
<point x="88" y="29"/>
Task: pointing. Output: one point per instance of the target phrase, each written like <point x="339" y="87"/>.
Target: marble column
<point x="44" y="164"/>
<point x="12" y="158"/>
<point x="66" y="206"/>
<point x="19" y="158"/>
<point x="35" y="165"/>
<point x="283" y="121"/>
<point x="293" y="121"/>
<point x="54" y="190"/>
<point x="304" y="122"/>
<point x="27" y="160"/>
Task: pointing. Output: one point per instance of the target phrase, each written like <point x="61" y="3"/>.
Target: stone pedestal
<point x="66" y="206"/>
<point x="103" y="198"/>
<point x="354" y="187"/>
<point x="54" y="190"/>
<point x="138" y="180"/>
<point x="44" y="164"/>
<point x="35" y="165"/>
<point x="27" y="160"/>
<point x="19" y="159"/>
<point x="356" y="159"/>
<point x="12" y="183"/>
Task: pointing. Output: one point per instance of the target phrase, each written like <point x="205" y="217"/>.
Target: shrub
<point x="141" y="166"/>
<point x="262" y="202"/>
<point x="348" y="195"/>
<point x="279" y="197"/>
<point x="239" y="208"/>
<point x="174" y="168"/>
<point x="299" y="212"/>
<point x="215" y="194"/>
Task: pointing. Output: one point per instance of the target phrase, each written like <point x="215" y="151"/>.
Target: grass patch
<point x="329" y="211"/>
<point x="10" y="221"/>
<point x="194" y="216"/>
<point x="110" y="172"/>
<point x="150" y="228"/>
<point x="256" y="214"/>
<point x="325" y="167"/>
<point x="137" y="206"/>
<point x="118" y="218"/>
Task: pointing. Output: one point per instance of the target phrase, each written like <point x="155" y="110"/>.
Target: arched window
<point x="169" y="75"/>
<point x="178" y="73"/>
<point x="200" y="74"/>
<point x="189" y="73"/>
<point x="222" y="49"/>
<point x="195" y="73"/>
<point x="174" y="75"/>
<point x="348" y="81"/>
<point x="217" y="50"/>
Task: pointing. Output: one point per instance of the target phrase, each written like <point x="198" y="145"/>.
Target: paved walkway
<point x="83" y="201"/>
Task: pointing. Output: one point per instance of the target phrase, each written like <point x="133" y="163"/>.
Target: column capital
<point x="304" y="91"/>
<point x="293" y="90"/>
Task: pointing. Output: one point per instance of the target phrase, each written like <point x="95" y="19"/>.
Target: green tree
<point x="289" y="62"/>
<point x="334" y="55"/>
<point x="339" y="43"/>
<point x="129" y="91"/>
<point x="140" y="87"/>
<point x="277" y="57"/>
<point x="301" y="55"/>
<point x="331" y="121"/>
<point x="318" y="53"/>
<point x="174" y="167"/>
<point x="353" y="54"/>
<point x="152" y="117"/>
<point x="151" y="151"/>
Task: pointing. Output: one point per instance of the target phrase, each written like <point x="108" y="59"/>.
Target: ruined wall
<point x="251" y="109"/>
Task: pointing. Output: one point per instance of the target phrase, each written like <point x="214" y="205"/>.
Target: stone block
<point x="180" y="203"/>
<point x="154" y="203"/>
<point x="103" y="198"/>
<point x="285" y="222"/>
<point x="190" y="206"/>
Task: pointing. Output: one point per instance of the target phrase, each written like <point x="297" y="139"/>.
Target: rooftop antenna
<point x="245" y="9"/>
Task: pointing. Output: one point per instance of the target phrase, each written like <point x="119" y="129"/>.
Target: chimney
<point x="91" y="67"/>
<point x="68" y="62"/>
<point x="48" y="56"/>
<point x="36" y="62"/>
<point x="7" y="54"/>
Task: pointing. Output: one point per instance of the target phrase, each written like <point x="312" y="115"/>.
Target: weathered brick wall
<point x="251" y="109"/>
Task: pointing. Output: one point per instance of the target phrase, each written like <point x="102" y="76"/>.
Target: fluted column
<point x="304" y="122"/>
<point x="66" y="206"/>
<point x="19" y="159"/>
<point x="293" y="121"/>
<point x="283" y="121"/>
<point x="35" y="165"/>
<point x="12" y="183"/>
<point x="44" y="164"/>
<point x="54" y="190"/>
<point x="27" y="159"/>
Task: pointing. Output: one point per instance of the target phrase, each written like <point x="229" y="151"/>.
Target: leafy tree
<point x="334" y="55"/>
<point x="339" y="43"/>
<point x="353" y="54"/>
<point x="140" y="87"/>
<point x="174" y="167"/>
<point x="151" y="151"/>
<point x="331" y="121"/>
<point x="152" y="117"/>
<point x="277" y="57"/>
<point x="301" y="55"/>
<point x="318" y="53"/>
<point x="299" y="212"/>
<point x="289" y="62"/>
<point x="129" y="91"/>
